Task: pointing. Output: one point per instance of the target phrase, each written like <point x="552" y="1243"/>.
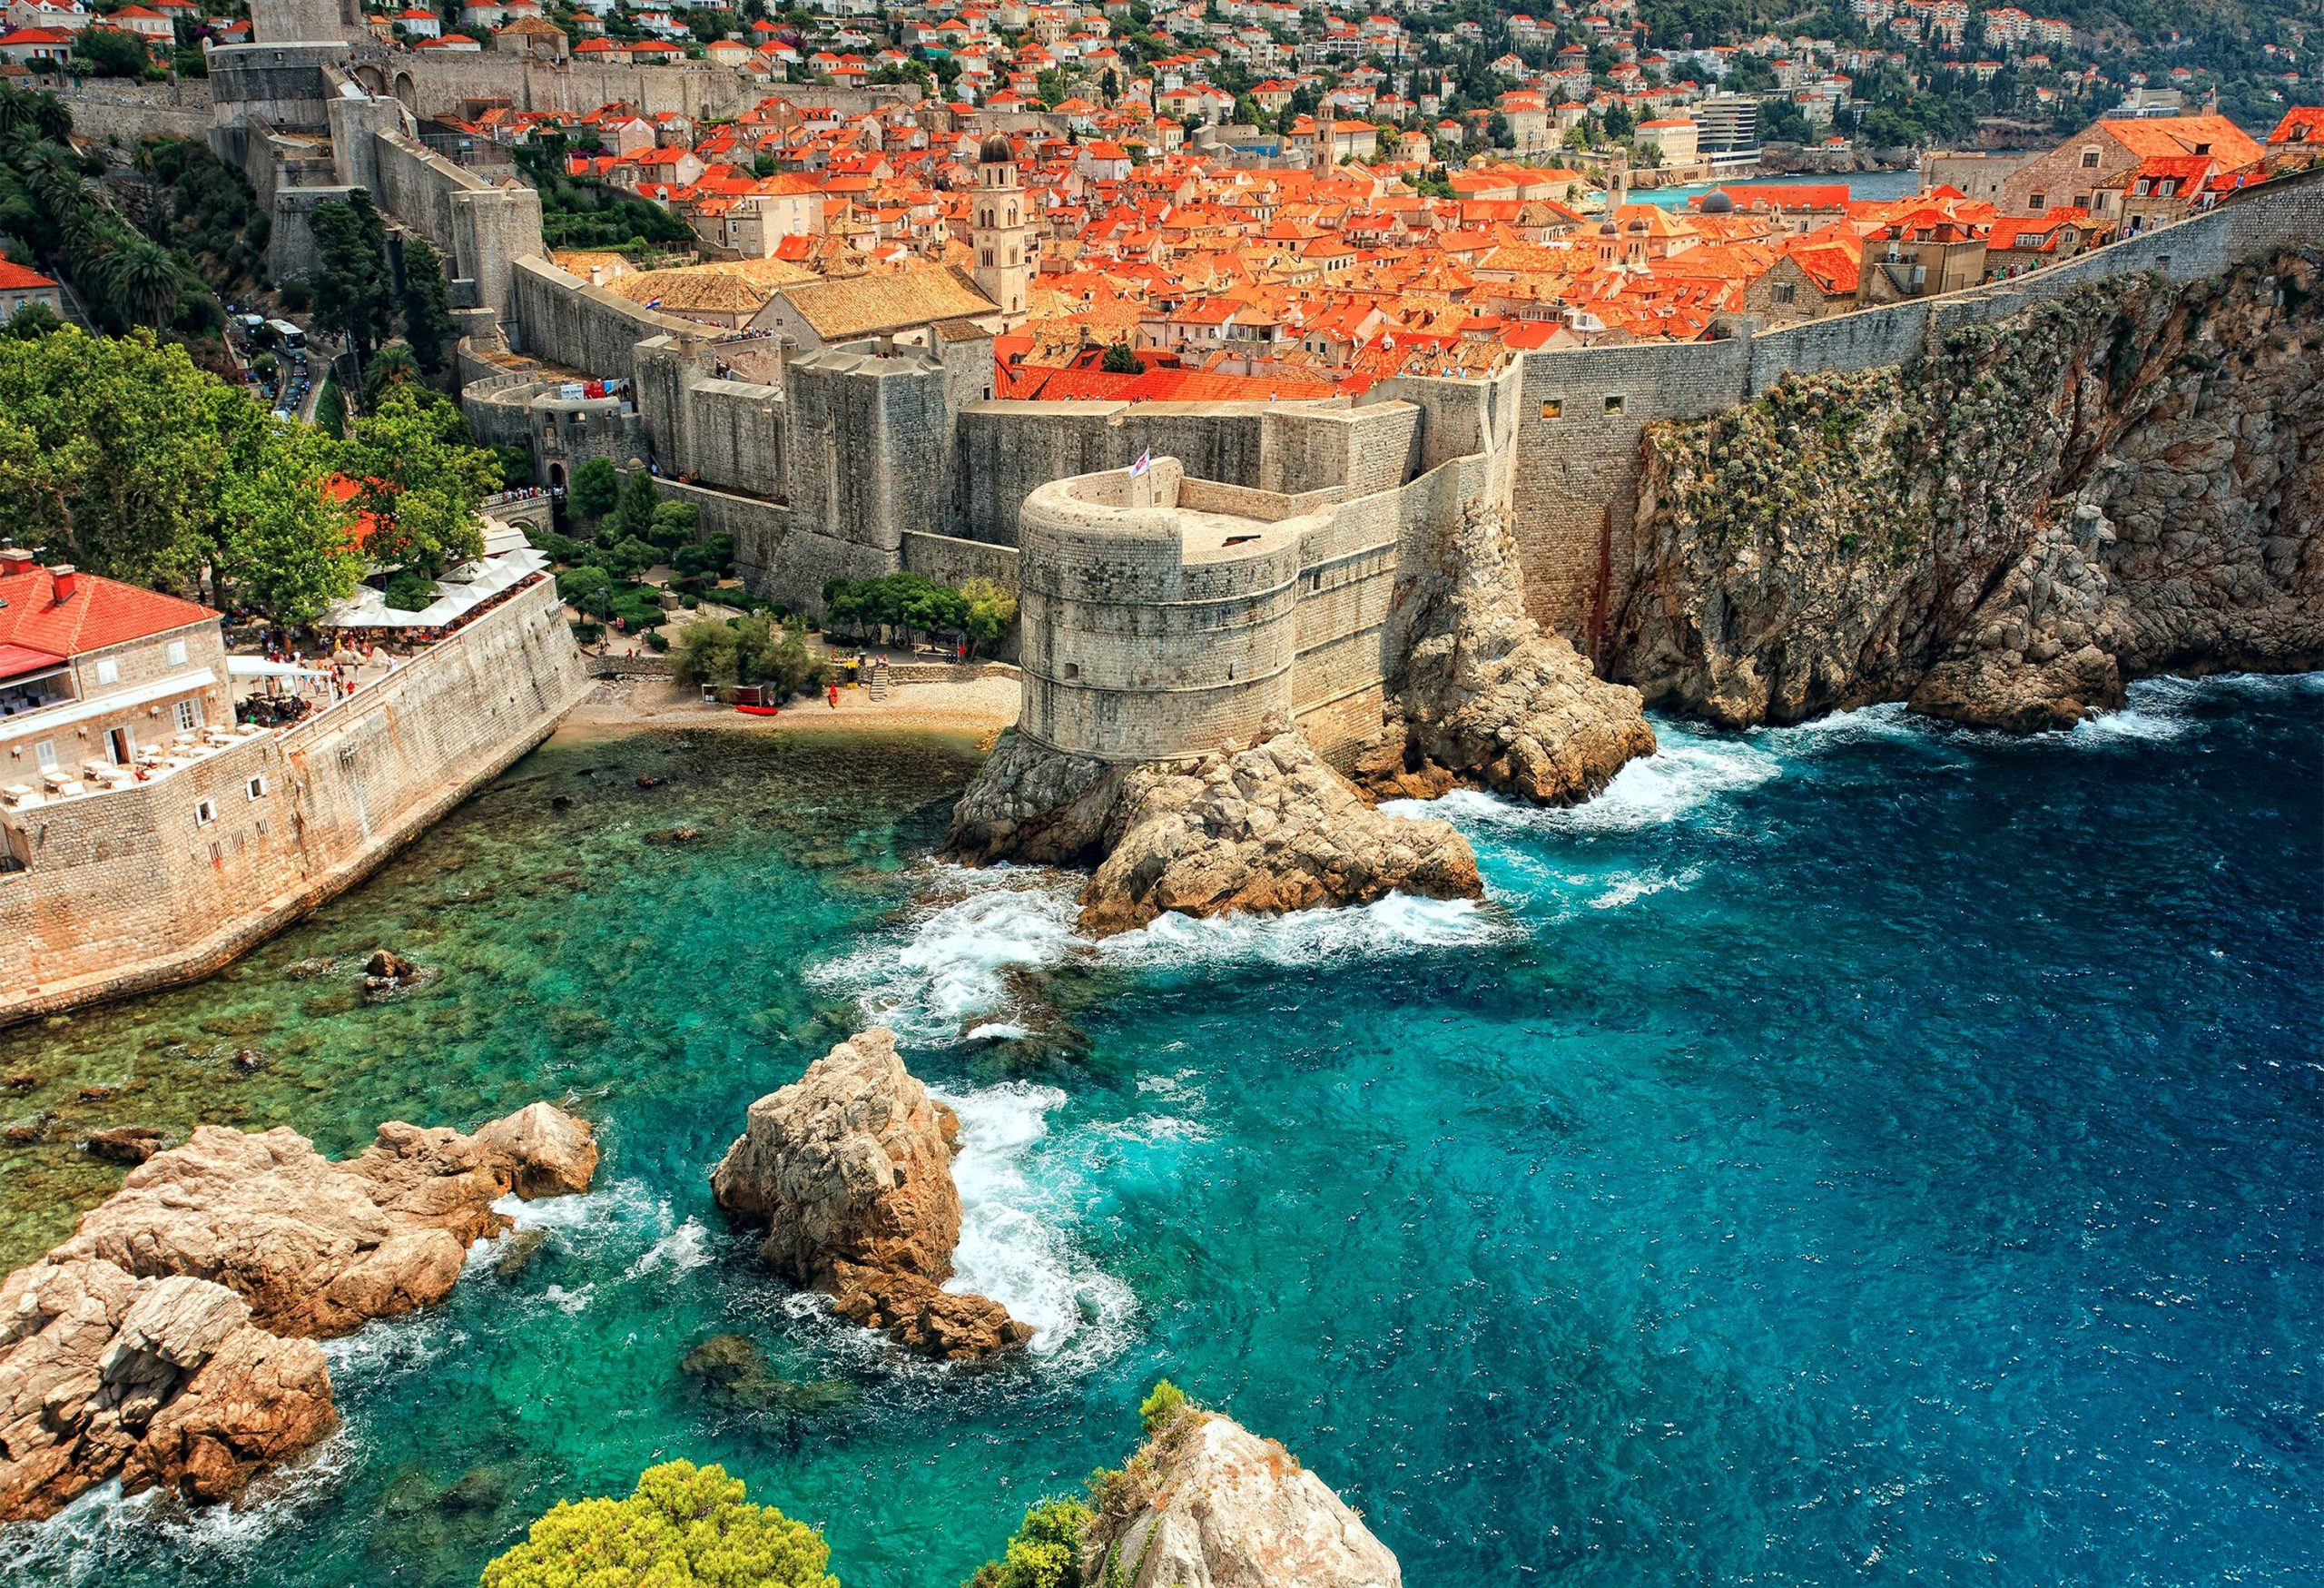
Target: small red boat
<point x="760" y="710"/>
<point x="756" y="700"/>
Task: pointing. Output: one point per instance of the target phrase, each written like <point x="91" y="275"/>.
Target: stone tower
<point x="1001" y="239"/>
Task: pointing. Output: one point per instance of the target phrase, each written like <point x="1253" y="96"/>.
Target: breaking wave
<point x="1399" y="923"/>
<point x="105" y="1537"/>
<point x="1015" y="1247"/>
<point x="952" y="965"/>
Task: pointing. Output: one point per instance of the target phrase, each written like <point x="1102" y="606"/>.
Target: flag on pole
<point x="1144" y="462"/>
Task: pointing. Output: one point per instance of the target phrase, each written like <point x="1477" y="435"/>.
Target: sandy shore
<point x="979" y="707"/>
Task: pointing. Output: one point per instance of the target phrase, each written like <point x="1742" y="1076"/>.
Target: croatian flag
<point x="653" y="304"/>
<point x="1144" y="462"/>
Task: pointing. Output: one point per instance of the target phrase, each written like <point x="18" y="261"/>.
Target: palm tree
<point x="53" y="176"/>
<point x="142" y="280"/>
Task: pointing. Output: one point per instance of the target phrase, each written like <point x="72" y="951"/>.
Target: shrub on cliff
<point x="1046" y="1551"/>
<point x="685" y="1527"/>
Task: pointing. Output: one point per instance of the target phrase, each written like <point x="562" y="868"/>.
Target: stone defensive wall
<point x="133" y="889"/>
<point x="1007" y="449"/>
<point x="433" y="83"/>
<point x="560" y="318"/>
<point x="483" y="229"/>
<point x="1164" y="614"/>
<point x="1581" y="413"/>
<point x="122" y="111"/>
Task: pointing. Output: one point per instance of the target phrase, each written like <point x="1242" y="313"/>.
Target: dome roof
<point x="1718" y="202"/>
<point x="996" y="151"/>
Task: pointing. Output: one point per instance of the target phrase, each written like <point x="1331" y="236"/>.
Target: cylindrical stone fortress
<point x="1151" y="627"/>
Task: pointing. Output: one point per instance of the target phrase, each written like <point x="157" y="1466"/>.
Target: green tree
<point x="1046" y="1551"/>
<point x="284" y="548"/>
<point x="671" y="525"/>
<point x="111" y="52"/>
<point x="1121" y="359"/>
<point x="395" y="364"/>
<point x="141" y="281"/>
<point x="685" y="1527"/>
<point x="587" y="590"/>
<point x="353" y="290"/>
<point x="751" y="650"/>
<point x="595" y="490"/>
<point x="633" y="518"/>
<point x="112" y="451"/>
<point x="421" y="475"/>
<point x="428" y="323"/>
<point x="993" y="607"/>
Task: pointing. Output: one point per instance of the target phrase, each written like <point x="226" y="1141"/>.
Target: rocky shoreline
<point x="1481" y="697"/>
<point x="2124" y="483"/>
<point x="170" y="1342"/>
<point x="850" y="1168"/>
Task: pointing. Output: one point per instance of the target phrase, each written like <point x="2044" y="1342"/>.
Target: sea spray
<point x="1015" y="1244"/>
<point x="950" y="963"/>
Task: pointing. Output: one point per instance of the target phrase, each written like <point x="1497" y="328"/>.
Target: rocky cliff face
<point x="1481" y="697"/>
<point x="1206" y="1504"/>
<point x="1267" y="828"/>
<point x="151" y="1346"/>
<point x="2127" y="482"/>
<point x="850" y="1168"/>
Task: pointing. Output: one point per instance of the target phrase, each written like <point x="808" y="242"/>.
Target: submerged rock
<point x="1267" y="829"/>
<point x="130" y="1144"/>
<point x="151" y="1346"/>
<point x="1482" y="695"/>
<point x="386" y="964"/>
<point x="850" y="1168"/>
<point x="1206" y="1504"/>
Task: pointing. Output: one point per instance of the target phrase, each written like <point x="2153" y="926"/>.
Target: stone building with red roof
<point x="93" y="672"/>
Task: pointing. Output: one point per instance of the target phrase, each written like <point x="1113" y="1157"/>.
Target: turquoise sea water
<point x="1863" y="184"/>
<point x="1868" y="1153"/>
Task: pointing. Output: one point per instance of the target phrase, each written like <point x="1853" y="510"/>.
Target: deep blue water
<point x="1862" y="1153"/>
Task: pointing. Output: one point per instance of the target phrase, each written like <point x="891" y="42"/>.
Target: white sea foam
<point x="1015" y="1246"/>
<point x="953" y="963"/>
<point x="105" y="1537"/>
<point x="686" y="1246"/>
<point x="1688" y="771"/>
<point x="1000" y="1031"/>
<point x="1399" y="923"/>
<point x="1629" y="887"/>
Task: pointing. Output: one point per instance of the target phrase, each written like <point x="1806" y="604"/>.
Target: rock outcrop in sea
<point x="851" y="1169"/>
<point x="2124" y="482"/>
<point x="1481" y="697"/>
<point x="1206" y="1504"/>
<point x="170" y="1341"/>
<point x="1265" y="828"/>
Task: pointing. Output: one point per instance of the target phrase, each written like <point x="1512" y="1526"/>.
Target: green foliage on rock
<point x="899" y="600"/>
<point x="1045" y="1552"/>
<point x="1162" y="1407"/>
<point x="685" y="1527"/>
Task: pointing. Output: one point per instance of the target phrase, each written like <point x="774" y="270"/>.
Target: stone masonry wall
<point x="1575" y="491"/>
<point x="129" y="891"/>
